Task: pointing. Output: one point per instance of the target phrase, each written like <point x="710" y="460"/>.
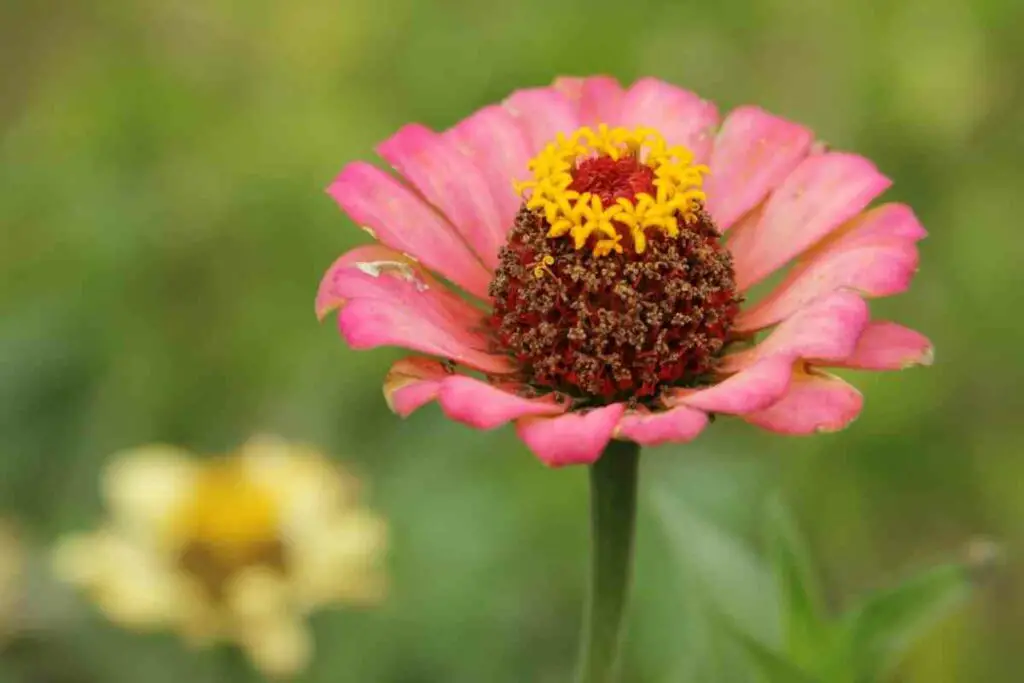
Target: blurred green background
<point x="164" y="227"/>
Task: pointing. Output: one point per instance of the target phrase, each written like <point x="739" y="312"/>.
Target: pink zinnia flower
<point x="605" y="241"/>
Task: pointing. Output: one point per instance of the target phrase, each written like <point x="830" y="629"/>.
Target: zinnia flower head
<point x="580" y="259"/>
<point x="238" y="548"/>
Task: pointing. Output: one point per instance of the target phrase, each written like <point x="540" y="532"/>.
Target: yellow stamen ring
<point x="677" y="183"/>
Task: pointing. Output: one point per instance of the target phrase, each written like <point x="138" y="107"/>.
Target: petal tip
<point x="405" y="139"/>
<point x="926" y="358"/>
<point x="832" y="429"/>
<point x="411" y="383"/>
<point x="340" y="187"/>
<point x="324" y="309"/>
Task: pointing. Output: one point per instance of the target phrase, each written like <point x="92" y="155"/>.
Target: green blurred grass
<point x="164" y="227"/>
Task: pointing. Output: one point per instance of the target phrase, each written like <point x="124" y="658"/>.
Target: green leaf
<point x="876" y="635"/>
<point x="805" y="626"/>
<point x="771" y="666"/>
<point x="725" y="573"/>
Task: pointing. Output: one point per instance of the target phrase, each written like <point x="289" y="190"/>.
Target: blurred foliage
<point x="782" y="625"/>
<point x="163" y="228"/>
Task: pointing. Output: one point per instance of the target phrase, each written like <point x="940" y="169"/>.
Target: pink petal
<point x="494" y="142"/>
<point x="542" y="113"/>
<point x="401" y="220"/>
<point x="676" y="425"/>
<point x="749" y="390"/>
<point x="412" y="383"/>
<point x="873" y="254"/>
<point x="753" y="153"/>
<point x="680" y="116"/>
<point x="826" y="329"/>
<point x="887" y="346"/>
<point x="815" y="402"/>
<point x="885" y="222"/>
<point x="377" y="272"/>
<point x="328" y="298"/>
<point x="821" y="194"/>
<point x="572" y="438"/>
<point x="599" y="98"/>
<point x="367" y="324"/>
<point x="394" y="302"/>
<point x="452" y="183"/>
<point x="485" y="406"/>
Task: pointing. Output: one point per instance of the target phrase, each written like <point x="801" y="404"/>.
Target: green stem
<point x="613" y="481"/>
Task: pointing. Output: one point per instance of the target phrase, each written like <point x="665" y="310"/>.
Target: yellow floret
<point x="677" y="183"/>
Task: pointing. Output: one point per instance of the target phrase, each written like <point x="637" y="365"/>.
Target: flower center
<point x="229" y="523"/>
<point x="614" y="184"/>
<point x="613" y="284"/>
<point x="612" y="179"/>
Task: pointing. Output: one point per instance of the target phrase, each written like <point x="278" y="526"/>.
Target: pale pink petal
<point x="394" y="302"/>
<point x="822" y="193"/>
<point x="485" y="406"/>
<point x="749" y="390"/>
<point x="873" y="254"/>
<point x="401" y="220"/>
<point x="752" y="154"/>
<point x="599" y="98"/>
<point x="886" y="345"/>
<point x="412" y="383"/>
<point x="495" y="143"/>
<point x="815" y="402"/>
<point x="572" y="438"/>
<point x="826" y="329"/>
<point x="675" y="425"/>
<point x="542" y="113"/>
<point x="680" y="116"/>
<point x="452" y="183"/>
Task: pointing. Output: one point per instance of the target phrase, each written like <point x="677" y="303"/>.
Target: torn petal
<point x="403" y="221"/>
<point x="396" y="303"/>
<point x="329" y="296"/>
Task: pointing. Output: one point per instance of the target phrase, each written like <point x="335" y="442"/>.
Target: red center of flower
<point x="612" y="179"/>
<point x="617" y="326"/>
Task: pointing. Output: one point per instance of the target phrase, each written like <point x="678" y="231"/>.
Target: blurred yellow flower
<point x="238" y="548"/>
<point x="12" y="568"/>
